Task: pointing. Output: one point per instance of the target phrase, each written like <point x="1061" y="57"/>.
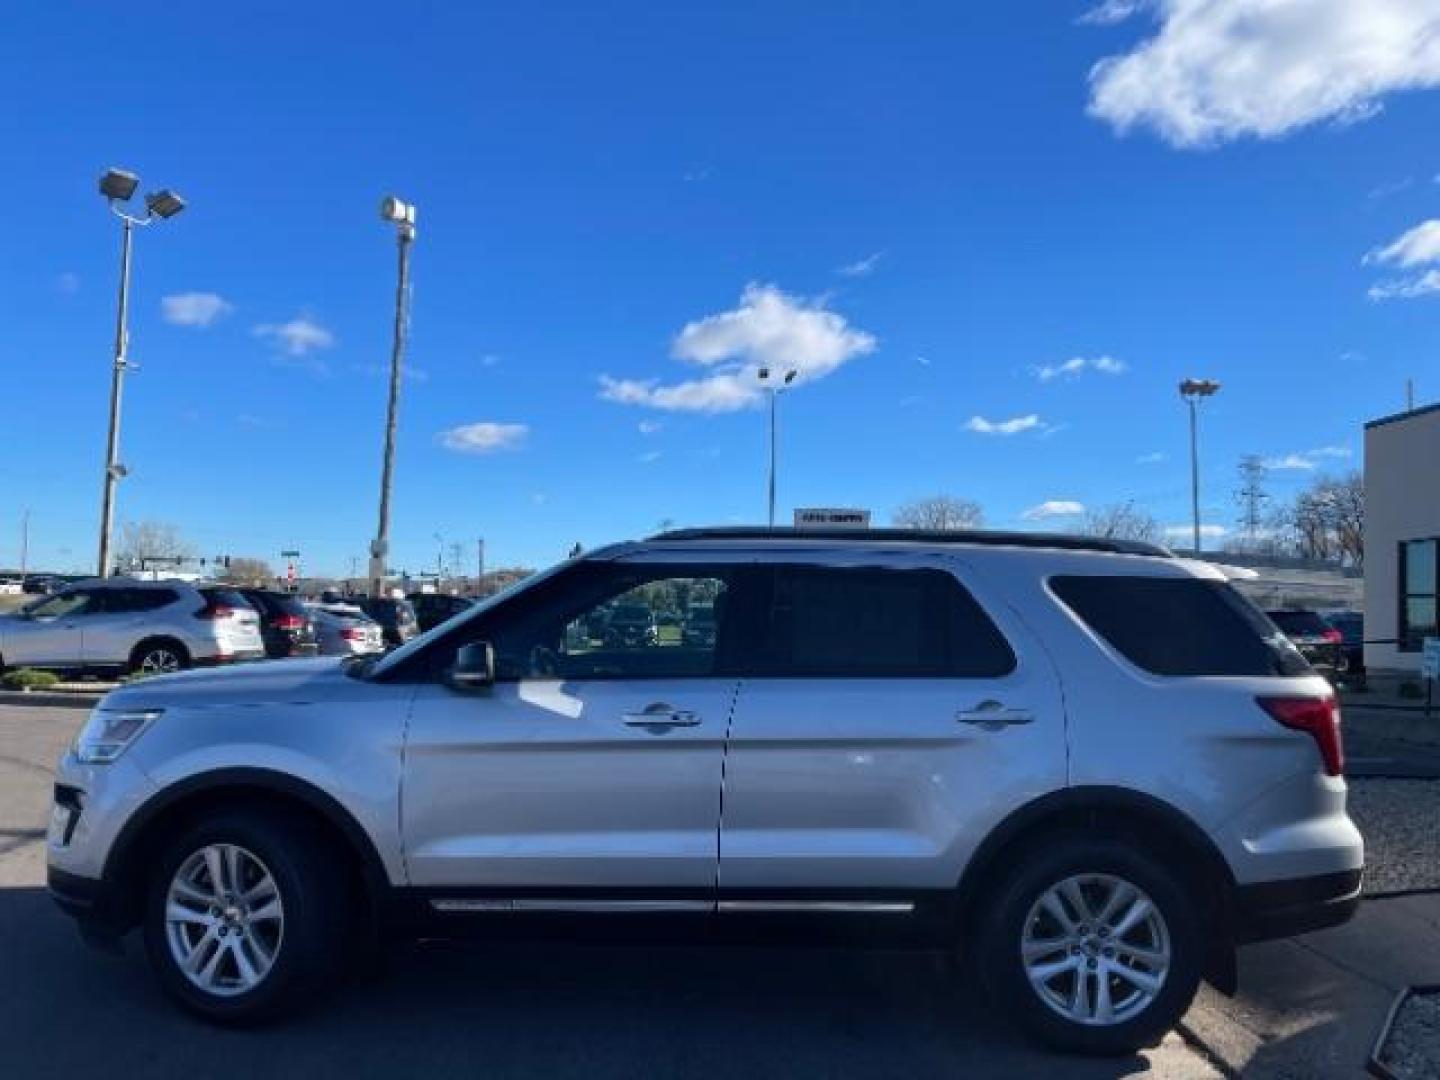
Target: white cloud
<point x="649" y="427"/>
<point x="1078" y="365"/>
<point x="860" y="267"/>
<point x="1155" y="457"/>
<point x="1013" y="426"/>
<point x="1413" y="247"/>
<point x="769" y="329"/>
<point x="1218" y="70"/>
<point x="923" y="361"/>
<point x="299" y="336"/>
<point x="1186" y="532"/>
<point x="1306" y="460"/>
<point x="650" y="456"/>
<point x="1052" y="508"/>
<point x="483" y="438"/>
<point x="1405" y="288"/>
<point x="1109" y="12"/>
<point x="198" y="309"/>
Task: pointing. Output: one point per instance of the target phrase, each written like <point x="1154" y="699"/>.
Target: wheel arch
<point x="1159" y="828"/>
<point x="145" y="833"/>
<point x="157" y="639"/>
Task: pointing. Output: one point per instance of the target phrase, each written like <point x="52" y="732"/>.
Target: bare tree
<point x="1120" y="521"/>
<point x="940" y="512"/>
<point x="253" y="572"/>
<point x="146" y="542"/>
<point x="1327" y="520"/>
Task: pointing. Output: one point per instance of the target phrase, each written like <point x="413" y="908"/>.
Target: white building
<point x="1402" y="524"/>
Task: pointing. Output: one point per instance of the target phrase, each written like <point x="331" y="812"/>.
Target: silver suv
<point x="125" y="625"/>
<point x="1088" y="767"/>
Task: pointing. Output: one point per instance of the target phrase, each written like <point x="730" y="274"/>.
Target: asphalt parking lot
<point x="507" y="1010"/>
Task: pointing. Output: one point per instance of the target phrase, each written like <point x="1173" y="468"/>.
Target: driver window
<point x="60" y="605"/>
<point x="635" y="628"/>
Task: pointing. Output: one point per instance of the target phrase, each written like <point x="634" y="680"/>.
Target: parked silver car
<point x="1090" y="768"/>
<point x="345" y="630"/>
<point x="125" y="625"/>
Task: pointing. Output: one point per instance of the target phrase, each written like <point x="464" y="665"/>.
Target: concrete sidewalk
<point x="1313" y="1006"/>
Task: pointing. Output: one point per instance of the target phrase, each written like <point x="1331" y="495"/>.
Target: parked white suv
<point x="1091" y="768"/>
<point x="122" y="625"/>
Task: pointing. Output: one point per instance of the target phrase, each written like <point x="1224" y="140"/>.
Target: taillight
<point x="352" y="633"/>
<point x="1317" y="717"/>
<point x="288" y="622"/>
<point x="215" y="611"/>
<point x="1333" y="636"/>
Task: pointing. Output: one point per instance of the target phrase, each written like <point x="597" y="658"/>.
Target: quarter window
<point x="1180" y="626"/>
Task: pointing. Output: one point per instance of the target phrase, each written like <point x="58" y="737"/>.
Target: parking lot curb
<point x="1375" y="1066"/>
<point x="40" y="698"/>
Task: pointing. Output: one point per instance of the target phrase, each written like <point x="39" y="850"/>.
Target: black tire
<point x="1001" y="929"/>
<point x="153" y="645"/>
<point x="310" y="883"/>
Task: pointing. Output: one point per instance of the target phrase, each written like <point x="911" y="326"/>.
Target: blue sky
<point x="927" y="205"/>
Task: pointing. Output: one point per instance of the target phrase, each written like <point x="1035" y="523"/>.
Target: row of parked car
<point x="127" y="626"/>
<point x="1332" y="641"/>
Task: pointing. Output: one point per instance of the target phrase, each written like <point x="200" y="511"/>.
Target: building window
<point x="1418" y="576"/>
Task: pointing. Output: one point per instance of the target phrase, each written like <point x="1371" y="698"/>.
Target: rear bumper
<point x="1278" y="909"/>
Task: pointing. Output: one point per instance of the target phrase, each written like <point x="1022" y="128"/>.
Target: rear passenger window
<point x="1181" y="626"/>
<point x="842" y="622"/>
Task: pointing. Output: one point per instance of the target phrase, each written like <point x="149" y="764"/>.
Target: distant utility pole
<point x="1252" y="498"/>
<point x="24" y="541"/>
<point x="1193" y="391"/>
<point x="403" y="215"/>
<point x="479" y="562"/>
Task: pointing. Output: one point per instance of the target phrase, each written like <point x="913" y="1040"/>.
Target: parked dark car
<point x="1351" y="625"/>
<point x="42" y="584"/>
<point x="1318" y="641"/>
<point x="431" y="609"/>
<point x="699" y="631"/>
<point x="396" y="618"/>
<point x="285" y="625"/>
<point x="631" y="626"/>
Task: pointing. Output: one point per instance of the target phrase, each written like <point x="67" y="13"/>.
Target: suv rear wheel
<point x="245" y="915"/>
<point x="1092" y="945"/>
<point x="158" y="657"/>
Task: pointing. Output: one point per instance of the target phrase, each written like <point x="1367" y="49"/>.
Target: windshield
<point x="471" y="611"/>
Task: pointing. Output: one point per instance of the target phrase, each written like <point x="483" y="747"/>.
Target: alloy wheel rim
<point x="224" y="920"/>
<point x="1096" y="949"/>
<point x="159" y="661"/>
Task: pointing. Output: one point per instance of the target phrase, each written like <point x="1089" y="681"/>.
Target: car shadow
<point x="525" y="1009"/>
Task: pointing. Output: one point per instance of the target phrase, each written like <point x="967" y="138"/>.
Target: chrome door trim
<point x="522" y="905"/>
<point x="869" y="907"/>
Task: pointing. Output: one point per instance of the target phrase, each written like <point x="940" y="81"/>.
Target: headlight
<point x="107" y="733"/>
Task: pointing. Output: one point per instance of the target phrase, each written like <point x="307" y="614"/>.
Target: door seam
<point x="724" y="766"/>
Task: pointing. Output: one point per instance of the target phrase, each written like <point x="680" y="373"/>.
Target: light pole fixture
<point x="402" y="214"/>
<point x="119" y="186"/>
<point x="774" y="390"/>
<point x="1194" y="391"/>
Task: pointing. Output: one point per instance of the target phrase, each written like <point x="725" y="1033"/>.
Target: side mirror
<point x="474" y="667"/>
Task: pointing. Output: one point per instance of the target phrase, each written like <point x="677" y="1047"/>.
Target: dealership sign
<point x="832" y="517"/>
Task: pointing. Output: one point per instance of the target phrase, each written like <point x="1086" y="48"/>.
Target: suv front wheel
<point x="244" y="916"/>
<point x="1092" y="945"/>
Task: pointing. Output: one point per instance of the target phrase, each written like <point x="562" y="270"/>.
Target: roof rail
<point x="984" y="537"/>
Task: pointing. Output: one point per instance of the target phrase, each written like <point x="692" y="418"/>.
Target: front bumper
<point x="1279" y="909"/>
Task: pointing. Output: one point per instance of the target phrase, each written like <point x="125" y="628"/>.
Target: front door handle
<point x="994" y="716"/>
<point x="661" y="717"/>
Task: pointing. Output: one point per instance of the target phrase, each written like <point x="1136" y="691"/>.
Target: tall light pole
<point x="403" y="215"/>
<point x="118" y="186"/>
<point x="774" y="391"/>
<point x="1194" y="391"/>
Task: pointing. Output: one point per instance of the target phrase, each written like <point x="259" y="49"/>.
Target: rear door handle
<point x="660" y="717"/>
<point x="994" y="716"/>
